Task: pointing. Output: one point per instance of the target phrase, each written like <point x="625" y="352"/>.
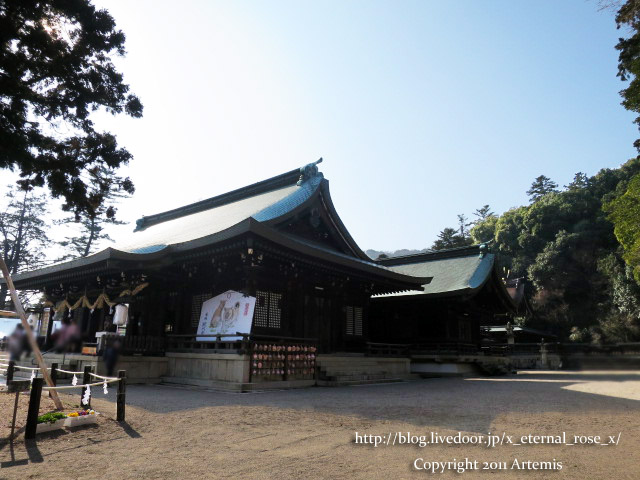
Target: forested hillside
<point x="565" y="244"/>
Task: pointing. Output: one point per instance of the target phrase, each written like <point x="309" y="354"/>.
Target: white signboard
<point x="229" y="312"/>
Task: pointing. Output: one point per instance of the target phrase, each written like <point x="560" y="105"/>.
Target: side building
<point x="466" y="292"/>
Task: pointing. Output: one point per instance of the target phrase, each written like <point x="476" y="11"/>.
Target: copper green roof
<point x="455" y="271"/>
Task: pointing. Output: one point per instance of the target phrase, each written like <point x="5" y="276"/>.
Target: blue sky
<point x="421" y="109"/>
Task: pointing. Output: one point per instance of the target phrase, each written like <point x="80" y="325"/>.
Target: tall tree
<point x="450" y="238"/>
<point x="624" y="212"/>
<point x="629" y="58"/>
<point x="483" y="213"/>
<point x="484" y="231"/>
<point x="55" y="69"/>
<point x="92" y="225"/>
<point x="580" y="180"/>
<point x="541" y="186"/>
<point x="463" y="226"/>
<point x="23" y="232"/>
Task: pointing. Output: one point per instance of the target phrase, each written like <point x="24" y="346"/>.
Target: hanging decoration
<point x="74" y="381"/>
<point x="102" y="299"/>
<point x="104" y="388"/>
<point x="87" y="396"/>
<point x="33" y="375"/>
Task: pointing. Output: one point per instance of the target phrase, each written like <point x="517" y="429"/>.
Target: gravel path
<point x="183" y="433"/>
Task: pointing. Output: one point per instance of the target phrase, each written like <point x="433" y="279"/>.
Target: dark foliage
<point x="55" y="70"/>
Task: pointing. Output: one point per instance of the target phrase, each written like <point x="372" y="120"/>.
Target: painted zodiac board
<point x="229" y="312"/>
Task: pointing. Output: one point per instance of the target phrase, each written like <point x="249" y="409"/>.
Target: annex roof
<point x="456" y="271"/>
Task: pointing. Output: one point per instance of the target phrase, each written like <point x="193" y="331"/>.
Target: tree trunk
<point x="3" y="295"/>
<point x="91" y="234"/>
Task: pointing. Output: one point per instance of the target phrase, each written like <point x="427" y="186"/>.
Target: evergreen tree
<point x="541" y="186"/>
<point x="55" y="69"/>
<point x="92" y="225"/>
<point x="483" y="213"/>
<point x="580" y="180"/>
<point x="23" y="233"/>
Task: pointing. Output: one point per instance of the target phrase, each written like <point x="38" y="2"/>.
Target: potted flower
<point x="56" y="420"/>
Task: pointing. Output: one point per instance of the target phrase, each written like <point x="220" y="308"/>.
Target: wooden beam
<point x="32" y="341"/>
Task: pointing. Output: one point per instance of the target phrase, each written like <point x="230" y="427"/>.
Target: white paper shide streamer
<point x="87" y="396"/>
<point x="33" y="375"/>
<point x="104" y="388"/>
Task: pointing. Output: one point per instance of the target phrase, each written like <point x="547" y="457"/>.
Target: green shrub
<point x="51" y="417"/>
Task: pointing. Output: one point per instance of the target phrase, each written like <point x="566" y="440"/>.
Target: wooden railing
<point x="444" y="348"/>
<point x="387" y="349"/>
<point x="228" y="343"/>
<point x="138" y="344"/>
<point x="503" y="349"/>
<point x="224" y="343"/>
<point x="590" y="349"/>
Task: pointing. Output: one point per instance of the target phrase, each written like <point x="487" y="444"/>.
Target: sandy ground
<point x="179" y="433"/>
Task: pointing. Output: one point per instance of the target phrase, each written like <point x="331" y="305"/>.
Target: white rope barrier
<point x="104" y="378"/>
<point x="4" y="364"/>
<point x="68" y="387"/>
<point x="67" y="371"/>
<point x="27" y="368"/>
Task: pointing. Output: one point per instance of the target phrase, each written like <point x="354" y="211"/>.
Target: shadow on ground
<point x="469" y="404"/>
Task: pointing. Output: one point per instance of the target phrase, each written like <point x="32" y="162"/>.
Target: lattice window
<point x="261" y="314"/>
<point x="275" y="309"/>
<point x="196" y="307"/>
<point x="268" y="311"/>
<point x="353" y="321"/>
<point x="349" y="320"/>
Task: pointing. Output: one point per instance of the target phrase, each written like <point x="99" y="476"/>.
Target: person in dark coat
<point x="110" y="357"/>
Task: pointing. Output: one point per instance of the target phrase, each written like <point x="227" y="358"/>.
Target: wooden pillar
<point x="54" y="374"/>
<point x="121" y="395"/>
<point x="10" y="371"/>
<point x="34" y="408"/>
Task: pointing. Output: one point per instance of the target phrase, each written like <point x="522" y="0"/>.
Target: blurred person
<point x="110" y="356"/>
<point x="16" y="343"/>
<point x="68" y="338"/>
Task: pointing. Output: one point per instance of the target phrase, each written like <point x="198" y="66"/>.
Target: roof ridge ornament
<point x="309" y="171"/>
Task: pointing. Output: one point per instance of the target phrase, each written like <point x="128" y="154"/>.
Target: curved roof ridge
<point x="431" y="255"/>
<point x="299" y="176"/>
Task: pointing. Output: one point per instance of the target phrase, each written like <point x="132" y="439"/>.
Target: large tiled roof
<point x="255" y="208"/>
<point x="192" y="226"/>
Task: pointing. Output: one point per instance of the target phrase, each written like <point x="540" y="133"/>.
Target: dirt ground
<point x="180" y="433"/>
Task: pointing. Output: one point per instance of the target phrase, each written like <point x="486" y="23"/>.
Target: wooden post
<point x="86" y="378"/>
<point x="34" y="409"/>
<point x="32" y="341"/>
<point x="10" y="371"/>
<point x="54" y="374"/>
<point x="121" y="395"/>
<point x="15" y="411"/>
